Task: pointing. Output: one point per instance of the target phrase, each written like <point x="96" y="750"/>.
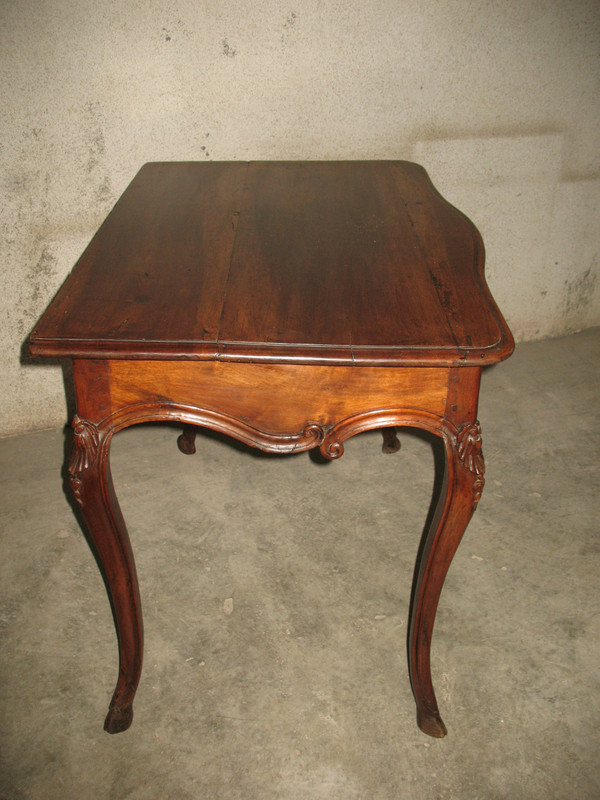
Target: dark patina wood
<point x="290" y="305"/>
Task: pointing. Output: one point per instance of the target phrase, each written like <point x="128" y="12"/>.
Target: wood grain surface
<point x="287" y="262"/>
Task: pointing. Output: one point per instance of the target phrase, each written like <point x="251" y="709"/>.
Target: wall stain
<point x="94" y="120"/>
<point x="175" y="30"/>
<point x="41" y="278"/>
<point x="287" y="26"/>
<point x="104" y="191"/>
<point x="580" y="292"/>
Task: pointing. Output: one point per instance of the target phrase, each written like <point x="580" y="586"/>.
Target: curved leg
<point x="186" y="441"/>
<point x="92" y="486"/>
<point x="461" y="490"/>
<point x="391" y="443"/>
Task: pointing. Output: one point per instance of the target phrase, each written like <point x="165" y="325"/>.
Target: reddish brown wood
<point x="92" y="485"/>
<point x="277" y="397"/>
<point x="300" y="262"/>
<point x="186" y="441"/>
<point x="289" y="305"/>
<point x="462" y="485"/>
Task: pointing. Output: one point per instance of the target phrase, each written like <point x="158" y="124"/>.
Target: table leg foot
<point x="391" y="443"/>
<point x="118" y="719"/>
<point x="186" y="441"/>
<point x="431" y="724"/>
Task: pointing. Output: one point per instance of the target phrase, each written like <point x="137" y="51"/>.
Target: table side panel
<point x="278" y="398"/>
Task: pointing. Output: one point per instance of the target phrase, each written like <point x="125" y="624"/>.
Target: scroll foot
<point x="118" y="719"/>
<point x="186" y="441"/>
<point x="391" y="443"/>
<point x="431" y="724"/>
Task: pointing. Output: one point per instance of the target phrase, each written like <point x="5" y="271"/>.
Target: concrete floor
<point x="276" y="596"/>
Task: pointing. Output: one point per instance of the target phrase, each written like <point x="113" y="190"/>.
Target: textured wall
<point x="500" y="102"/>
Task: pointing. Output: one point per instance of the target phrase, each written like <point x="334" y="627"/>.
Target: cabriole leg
<point x="92" y="486"/>
<point x="461" y="490"/>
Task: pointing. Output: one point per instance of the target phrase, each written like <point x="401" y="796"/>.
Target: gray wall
<point x="500" y="101"/>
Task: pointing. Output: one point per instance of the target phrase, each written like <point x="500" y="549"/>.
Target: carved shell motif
<point x="85" y="449"/>
<point x="468" y="445"/>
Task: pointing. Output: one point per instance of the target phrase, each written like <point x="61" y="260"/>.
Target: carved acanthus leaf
<point x="85" y="449"/>
<point x="468" y="445"/>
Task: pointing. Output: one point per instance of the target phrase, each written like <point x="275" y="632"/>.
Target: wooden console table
<point x="290" y="305"/>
